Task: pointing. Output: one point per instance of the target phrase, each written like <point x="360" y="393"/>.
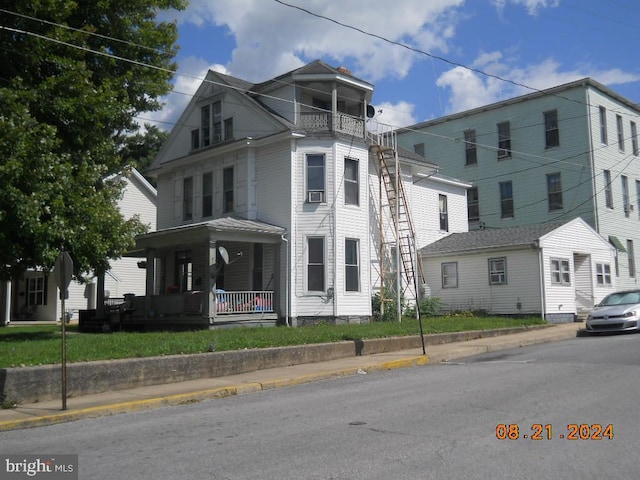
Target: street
<point x="474" y="418"/>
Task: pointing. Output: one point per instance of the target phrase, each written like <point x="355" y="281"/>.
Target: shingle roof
<point x="490" y="238"/>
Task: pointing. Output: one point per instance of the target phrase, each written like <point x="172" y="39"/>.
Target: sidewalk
<point x="142" y="398"/>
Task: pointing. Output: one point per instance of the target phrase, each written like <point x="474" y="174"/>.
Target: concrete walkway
<point x="142" y="398"/>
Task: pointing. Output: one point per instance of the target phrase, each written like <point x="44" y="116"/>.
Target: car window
<point x="630" y="298"/>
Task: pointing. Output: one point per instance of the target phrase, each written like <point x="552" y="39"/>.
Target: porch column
<point x="100" y="296"/>
<point x="149" y="280"/>
<point x="334" y="107"/>
<point x="209" y="305"/>
<point x="6" y="316"/>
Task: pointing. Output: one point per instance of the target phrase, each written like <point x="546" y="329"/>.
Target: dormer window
<point x="212" y="128"/>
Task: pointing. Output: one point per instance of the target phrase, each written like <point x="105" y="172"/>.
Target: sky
<point x="425" y="58"/>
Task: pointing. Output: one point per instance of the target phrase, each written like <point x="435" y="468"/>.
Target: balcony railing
<point x="321" y="121"/>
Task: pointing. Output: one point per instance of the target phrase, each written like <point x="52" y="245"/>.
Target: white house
<point x="555" y="270"/>
<point x="549" y="156"/>
<point x="276" y="203"/>
<point x="35" y="296"/>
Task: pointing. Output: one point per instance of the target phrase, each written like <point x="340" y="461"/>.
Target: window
<point x="603" y="274"/>
<point x="450" y="275"/>
<point x="444" y="214"/>
<point x="205" y="119"/>
<point x="470" y="149"/>
<point x="315" y="179"/>
<point x="228" y="129"/>
<point x="195" y="139"/>
<point x="504" y="140"/>
<point x="603" y="126"/>
<point x="473" y="204"/>
<point x="37" y="290"/>
<point x="217" y="122"/>
<point x="315" y="264"/>
<point x="552" y="134"/>
<point x="625" y="195"/>
<point x="631" y="258"/>
<point x="351" y="264"/>
<point x="258" y="255"/>
<point x="560" y="274"/>
<point x="419" y="149"/>
<point x="498" y="271"/>
<point x="554" y="191"/>
<point x="207" y="194"/>
<point x="351" y="187"/>
<point x="608" y="193"/>
<point x="620" y="132"/>
<point x="634" y="138"/>
<point x="184" y="271"/>
<point x="187" y="198"/>
<point x="506" y="199"/>
<point x="227" y="190"/>
<point x="638" y="196"/>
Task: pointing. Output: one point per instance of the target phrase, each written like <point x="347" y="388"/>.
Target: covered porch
<point x="224" y="272"/>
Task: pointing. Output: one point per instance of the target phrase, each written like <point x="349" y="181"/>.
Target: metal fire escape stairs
<point x="396" y="226"/>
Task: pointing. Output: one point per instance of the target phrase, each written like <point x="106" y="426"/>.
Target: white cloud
<point x="532" y="6"/>
<point x="272" y="38"/>
<point x="470" y="89"/>
<point x="390" y="116"/>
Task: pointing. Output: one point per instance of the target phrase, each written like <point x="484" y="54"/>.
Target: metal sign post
<point x="63" y="271"/>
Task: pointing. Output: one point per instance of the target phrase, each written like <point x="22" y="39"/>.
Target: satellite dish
<point x="371" y="111"/>
<point x="224" y="254"/>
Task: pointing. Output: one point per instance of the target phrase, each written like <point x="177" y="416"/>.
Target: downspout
<point x="286" y="283"/>
<point x="541" y="274"/>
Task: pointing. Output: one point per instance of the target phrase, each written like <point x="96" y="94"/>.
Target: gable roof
<point x="490" y="238"/>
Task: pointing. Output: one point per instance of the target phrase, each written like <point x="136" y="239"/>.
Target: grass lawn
<point x="41" y="345"/>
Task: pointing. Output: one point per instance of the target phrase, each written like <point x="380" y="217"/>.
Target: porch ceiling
<point x="223" y="229"/>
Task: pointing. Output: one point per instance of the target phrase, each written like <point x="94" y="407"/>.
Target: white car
<point x="617" y="312"/>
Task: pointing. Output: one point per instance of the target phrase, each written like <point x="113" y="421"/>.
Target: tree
<point x="74" y="76"/>
<point x="139" y="150"/>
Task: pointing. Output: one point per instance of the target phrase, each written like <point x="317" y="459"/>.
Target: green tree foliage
<point x="74" y="75"/>
<point x="140" y="150"/>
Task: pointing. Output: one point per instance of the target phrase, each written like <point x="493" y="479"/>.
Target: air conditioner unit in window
<point x="314" y="197"/>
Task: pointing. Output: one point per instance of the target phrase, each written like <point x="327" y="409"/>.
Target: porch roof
<point x="225" y="228"/>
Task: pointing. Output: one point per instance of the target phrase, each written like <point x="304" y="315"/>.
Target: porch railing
<point x="316" y="121"/>
<point x="253" y="301"/>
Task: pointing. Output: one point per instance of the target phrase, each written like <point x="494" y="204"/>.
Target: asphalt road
<point x="437" y="421"/>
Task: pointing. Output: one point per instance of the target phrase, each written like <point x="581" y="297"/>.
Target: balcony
<point x="322" y="122"/>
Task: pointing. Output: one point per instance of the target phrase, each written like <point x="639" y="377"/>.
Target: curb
<point x="192" y="397"/>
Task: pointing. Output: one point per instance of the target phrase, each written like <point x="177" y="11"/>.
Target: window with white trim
<point x="631" y="258"/>
<point x="470" y="147"/>
<point x="620" y="126"/>
<point x="352" y="264"/>
<point x="315" y="179"/>
<point x="498" y="271"/>
<point x="37" y="290"/>
<point x="207" y="194"/>
<point x="449" y="275"/>
<point x="473" y="204"/>
<point x="634" y="138"/>
<point x="506" y="199"/>
<point x="227" y="190"/>
<point x="444" y="213"/>
<point x="504" y="140"/>
<point x="625" y="195"/>
<point x="315" y="264"/>
<point x="187" y="198"/>
<point x="603" y="125"/>
<point x="603" y="274"/>
<point x="551" y="129"/>
<point x="351" y="182"/>
<point x="608" y="192"/>
<point x="554" y="191"/>
<point x="560" y="272"/>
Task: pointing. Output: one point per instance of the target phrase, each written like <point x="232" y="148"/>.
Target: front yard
<point x="41" y="345"/>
